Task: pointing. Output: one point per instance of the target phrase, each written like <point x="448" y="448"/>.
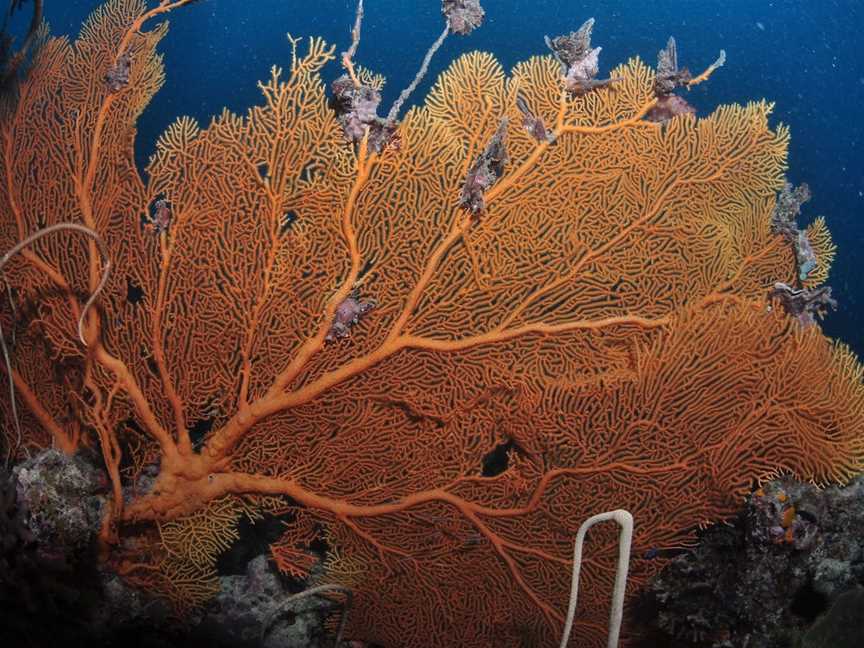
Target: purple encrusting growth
<point x="463" y="16"/>
<point x="348" y="314"/>
<point x="784" y="222"/>
<point x="487" y="168"/>
<point x="117" y="76"/>
<point x="579" y="61"/>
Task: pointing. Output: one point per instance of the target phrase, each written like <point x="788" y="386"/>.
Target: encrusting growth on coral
<point x="804" y="304"/>
<point x="784" y="221"/>
<point x="463" y="16"/>
<point x="356" y="103"/>
<point x="590" y="307"/>
<point x="669" y="77"/>
<point x="348" y="314"/>
<point x="804" y="300"/>
<point x="580" y="64"/>
<point x="532" y="124"/>
<point x="117" y="76"/>
<point x="487" y="168"/>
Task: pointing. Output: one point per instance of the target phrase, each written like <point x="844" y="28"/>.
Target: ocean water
<point x="802" y="54"/>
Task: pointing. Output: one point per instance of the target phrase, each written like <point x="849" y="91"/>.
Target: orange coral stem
<point x="128" y="383"/>
<point x="156" y="332"/>
<point x="218" y="485"/>
<point x="504" y="334"/>
<point x="61" y="439"/>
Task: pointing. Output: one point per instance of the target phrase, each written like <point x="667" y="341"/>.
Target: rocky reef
<point x="52" y="583"/>
<point x="787" y="572"/>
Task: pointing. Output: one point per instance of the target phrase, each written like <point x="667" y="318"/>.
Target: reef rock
<point x="776" y="576"/>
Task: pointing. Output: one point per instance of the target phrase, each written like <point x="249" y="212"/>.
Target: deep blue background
<point x="803" y="54"/>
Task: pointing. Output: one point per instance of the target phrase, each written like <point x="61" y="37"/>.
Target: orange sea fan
<point x="597" y="338"/>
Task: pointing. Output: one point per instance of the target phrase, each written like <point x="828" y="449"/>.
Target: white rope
<point x="106" y="273"/>
<point x="625" y="539"/>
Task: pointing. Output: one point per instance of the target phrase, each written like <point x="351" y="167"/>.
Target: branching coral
<point x="67" y="446"/>
<point x="604" y="319"/>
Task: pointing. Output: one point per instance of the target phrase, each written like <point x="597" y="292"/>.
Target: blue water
<point x="803" y="54"/>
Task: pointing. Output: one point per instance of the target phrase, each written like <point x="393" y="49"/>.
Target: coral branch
<point x="424" y="67"/>
<point x="58" y="434"/>
<point x="106" y="270"/>
<point x="721" y="60"/>
<point x="348" y="56"/>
